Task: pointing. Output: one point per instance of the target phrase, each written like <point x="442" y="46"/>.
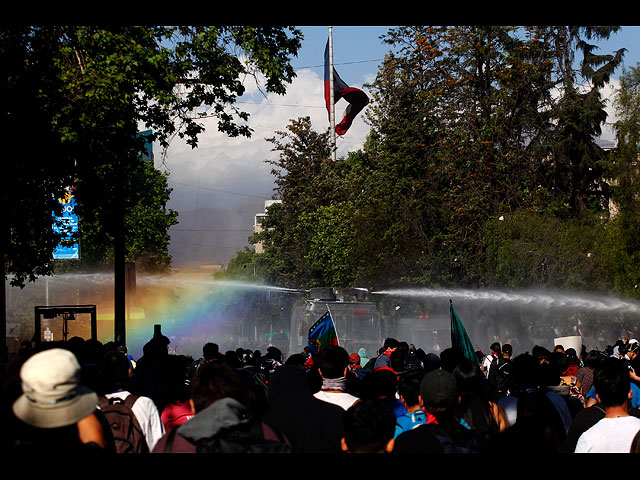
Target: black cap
<point x="439" y="389"/>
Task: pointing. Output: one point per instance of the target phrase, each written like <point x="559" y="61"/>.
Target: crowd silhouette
<point x="72" y="396"/>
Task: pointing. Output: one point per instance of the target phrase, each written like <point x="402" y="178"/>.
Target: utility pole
<point x="3" y="299"/>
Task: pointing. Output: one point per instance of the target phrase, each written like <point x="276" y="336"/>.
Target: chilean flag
<point x="357" y="98"/>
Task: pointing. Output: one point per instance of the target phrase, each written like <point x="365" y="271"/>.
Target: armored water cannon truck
<point x="357" y="320"/>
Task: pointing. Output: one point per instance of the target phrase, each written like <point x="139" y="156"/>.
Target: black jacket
<point x="310" y="425"/>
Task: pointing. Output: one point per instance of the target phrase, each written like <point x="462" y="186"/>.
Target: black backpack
<point x="470" y="444"/>
<point x="246" y="437"/>
<point x="500" y="375"/>
<point x="127" y="433"/>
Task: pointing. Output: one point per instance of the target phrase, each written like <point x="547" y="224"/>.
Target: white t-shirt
<point x="486" y="363"/>
<point x="609" y="435"/>
<point x="343" y="399"/>
<point x="147" y="415"/>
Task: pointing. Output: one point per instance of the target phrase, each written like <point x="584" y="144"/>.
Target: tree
<point x="330" y="238"/>
<point x="623" y="240"/>
<point x="146" y="225"/>
<point x="465" y="143"/>
<point x="244" y="266"/>
<point x="91" y="89"/>
<point x="37" y="170"/>
<point x="527" y="249"/>
<point x="481" y="168"/>
<point x="499" y="139"/>
<point x="302" y="185"/>
<point x="578" y="163"/>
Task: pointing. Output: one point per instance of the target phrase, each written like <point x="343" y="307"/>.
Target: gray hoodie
<point x="224" y="413"/>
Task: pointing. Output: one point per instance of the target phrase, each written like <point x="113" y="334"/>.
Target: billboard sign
<point x="67" y="225"/>
<point x="148" y="145"/>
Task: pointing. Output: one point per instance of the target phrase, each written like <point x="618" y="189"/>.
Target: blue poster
<point x="67" y="225"/>
<point x="147" y="155"/>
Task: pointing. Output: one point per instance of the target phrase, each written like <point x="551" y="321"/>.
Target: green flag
<point x="459" y="338"/>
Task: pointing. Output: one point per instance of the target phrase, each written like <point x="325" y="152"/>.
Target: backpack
<point x="127" y="433"/>
<point x="243" y="438"/>
<point x="500" y="375"/>
<point x="469" y="445"/>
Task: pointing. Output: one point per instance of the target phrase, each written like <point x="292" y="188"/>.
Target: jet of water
<point x="539" y="299"/>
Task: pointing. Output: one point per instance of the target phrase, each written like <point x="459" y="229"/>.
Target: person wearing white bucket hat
<point x="54" y="402"/>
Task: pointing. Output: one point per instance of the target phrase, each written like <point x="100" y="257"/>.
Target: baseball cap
<point x="439" y="388"/>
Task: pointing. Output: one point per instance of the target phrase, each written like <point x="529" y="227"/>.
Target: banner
<point x="67" y="225"/>
<point x="574" y="341"/>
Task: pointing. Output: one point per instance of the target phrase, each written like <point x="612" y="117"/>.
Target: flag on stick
<point x="357" y="98"/>
<point x="459" y="338"/>
<point x="322" y="333"/>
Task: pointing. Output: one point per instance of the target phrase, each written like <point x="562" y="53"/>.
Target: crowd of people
<point x="82" y="395"/>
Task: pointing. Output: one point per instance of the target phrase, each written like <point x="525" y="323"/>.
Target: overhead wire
<point x="200" y="186"/>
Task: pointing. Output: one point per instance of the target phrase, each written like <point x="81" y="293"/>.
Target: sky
<point x="221" y="185"/>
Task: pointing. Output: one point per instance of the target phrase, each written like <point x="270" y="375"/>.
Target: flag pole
<point x="332" y="110"/>
<point x="333" y="322"/>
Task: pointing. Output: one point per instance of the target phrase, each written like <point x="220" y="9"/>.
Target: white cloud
<point x="231" y="173"/>
<point x="609" y="92"/>
<point x="232" y="162"/>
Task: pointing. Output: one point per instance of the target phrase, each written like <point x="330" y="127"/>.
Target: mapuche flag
<point x="357" y="98"/>
<point x="322" y="333"/>
<point x="459" y="339"/>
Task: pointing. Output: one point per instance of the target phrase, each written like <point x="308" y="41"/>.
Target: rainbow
<point x="191" y="312"/>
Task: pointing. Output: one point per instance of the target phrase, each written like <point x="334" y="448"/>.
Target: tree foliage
<point x="623" y="239"/>
<point x="146" y="225"/>
<point x="481" y="168"/>
<point x="75" y="98"/>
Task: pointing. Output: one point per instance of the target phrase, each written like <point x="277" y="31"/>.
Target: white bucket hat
<point x="53" y="396"/>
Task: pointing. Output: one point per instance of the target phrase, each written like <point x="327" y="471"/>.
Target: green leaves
<point x="331" y="241"/>
<point x="74" y="99"/>
<point x="478" y="170"/>
<point x="527" y="249"/>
